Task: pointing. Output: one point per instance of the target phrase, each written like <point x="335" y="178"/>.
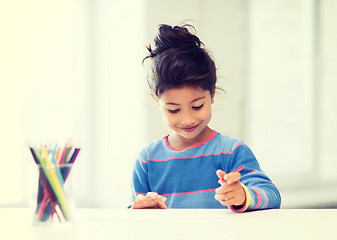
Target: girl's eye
<point x="199" y="107"/>
<point x="173" y="111"/>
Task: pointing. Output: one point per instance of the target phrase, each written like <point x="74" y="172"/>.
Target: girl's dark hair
<point x="179" y="59"/>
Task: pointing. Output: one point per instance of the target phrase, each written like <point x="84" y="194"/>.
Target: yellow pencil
<point x="55" y="183"/>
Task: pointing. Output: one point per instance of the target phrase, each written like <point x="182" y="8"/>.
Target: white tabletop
<point x="148" y="224"/>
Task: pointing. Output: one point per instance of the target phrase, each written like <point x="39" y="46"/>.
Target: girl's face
<point x="187" y="111"/>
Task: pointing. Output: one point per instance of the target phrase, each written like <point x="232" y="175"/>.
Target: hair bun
<point x="175" y="37"/>
<point x="179" y="59"/>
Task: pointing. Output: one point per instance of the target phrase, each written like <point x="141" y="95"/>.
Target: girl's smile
<point x="190" y="129"/>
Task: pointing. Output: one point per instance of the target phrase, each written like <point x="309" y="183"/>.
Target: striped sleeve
<point x="265" y="195"/>
<point x="261" y="193"/>
<point x="140" y="184"/>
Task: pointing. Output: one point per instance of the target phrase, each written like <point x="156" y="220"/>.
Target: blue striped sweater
<point x="188" y="178"/>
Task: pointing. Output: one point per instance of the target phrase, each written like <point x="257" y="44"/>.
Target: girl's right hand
<point x="151" y="200"/>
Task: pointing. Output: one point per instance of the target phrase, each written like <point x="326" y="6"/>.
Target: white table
<point x="148" y="224"/>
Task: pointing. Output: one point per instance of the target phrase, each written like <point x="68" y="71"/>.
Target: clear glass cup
<point x="54" y="199"/>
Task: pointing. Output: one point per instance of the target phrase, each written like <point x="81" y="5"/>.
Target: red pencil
<point x="239" y="169"/>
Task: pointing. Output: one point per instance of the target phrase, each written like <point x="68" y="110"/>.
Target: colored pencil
<point x="54" y="168"/>
<point x="55" y="184"/>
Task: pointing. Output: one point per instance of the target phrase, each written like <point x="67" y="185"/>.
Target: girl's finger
<point x="220" y="173"/>
<point x="219" y="197"/>
<point x="161" y="198"/>
<point x="219" y="190"/>
<point x="140" y="197"/>
<point x="235" y="202"/>
<point x="162" y="205"/>
<point x="232" y="177"/>
<point x="224" y="196"/>
<point x="228" y="201"/>
<point x="227" y="188"/>
<point x="152" y="194"/>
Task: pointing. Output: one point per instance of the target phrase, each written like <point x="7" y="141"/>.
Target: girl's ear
<point x="212" y="96"/>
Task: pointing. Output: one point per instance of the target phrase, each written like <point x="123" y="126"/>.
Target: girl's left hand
<point x="231" y="191"/>
<point x="151" y="200"/>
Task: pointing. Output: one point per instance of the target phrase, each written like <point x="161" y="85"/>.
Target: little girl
<point x="194" y="166"/>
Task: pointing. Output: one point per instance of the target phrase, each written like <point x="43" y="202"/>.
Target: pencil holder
<point x="54" y="200"/>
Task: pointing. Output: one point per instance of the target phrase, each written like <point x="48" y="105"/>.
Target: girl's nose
<point x="187" y="119"/>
